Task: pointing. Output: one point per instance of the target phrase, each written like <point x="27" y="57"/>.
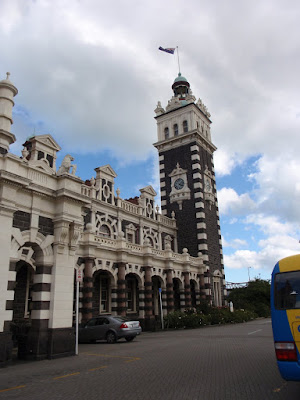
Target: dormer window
<point x="166" y="133"/>
<point x="185" y="126"/>
<point x="175" y="130"/>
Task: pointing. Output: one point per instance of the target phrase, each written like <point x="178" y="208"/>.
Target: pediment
<point x="48" y="141"/>
<point x="106" y="169"/>
<point x="177" y="171"/>
<point x="149" y="190"/>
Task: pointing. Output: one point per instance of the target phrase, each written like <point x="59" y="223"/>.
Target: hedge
<point x="206" y="315"/>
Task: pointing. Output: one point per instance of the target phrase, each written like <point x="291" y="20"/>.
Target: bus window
<point x="287" y="290"/>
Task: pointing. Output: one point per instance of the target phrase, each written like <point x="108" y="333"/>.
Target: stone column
<point x="202" y="287"/>
<point x="114" y="299"/>
<point x="187" y="289"/>
<point x="121" y="290"/>
<point x="170" y="291"/>
<point x="148" y="292"/>
<point x="207" y="285"/>
<point x="141" y="301"/>
<point x="8" y="277"/>
<point x="87" y="299"/>
<point x="36" y="346"/>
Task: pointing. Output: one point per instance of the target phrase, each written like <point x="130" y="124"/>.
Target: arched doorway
<point x="132" y="291"/>
<point x="102" y="292"/>
<point x="22" y="303"/>
<point x="193" y="293"/>
<point x="176" y="288"/>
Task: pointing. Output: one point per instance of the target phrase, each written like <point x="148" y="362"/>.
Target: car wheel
<point x="111" y="337"/>
<point x="129" y="338"/>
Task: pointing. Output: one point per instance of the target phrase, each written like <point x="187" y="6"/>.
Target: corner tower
<point x="187" y="180"/>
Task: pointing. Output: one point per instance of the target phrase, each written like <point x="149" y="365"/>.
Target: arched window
<point x="175" y="130"/>
<point x="166" y="133"/>
<point x="185" y="126"/>
<point x="104" y="231"/>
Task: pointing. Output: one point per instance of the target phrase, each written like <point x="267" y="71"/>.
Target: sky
<point x="89" y="73"/>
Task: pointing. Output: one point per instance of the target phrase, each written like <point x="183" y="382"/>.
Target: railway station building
<point x="53" y="224"/>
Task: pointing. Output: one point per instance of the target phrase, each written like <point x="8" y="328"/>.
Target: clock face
<point x="179" y="183"/>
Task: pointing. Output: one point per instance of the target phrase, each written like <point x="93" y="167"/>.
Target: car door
<point x="105" y="326"/>
<point x="102" y="327"/>
<point x="89" y="331"/>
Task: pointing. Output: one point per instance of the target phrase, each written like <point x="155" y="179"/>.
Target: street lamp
<point x="249" y="274"/>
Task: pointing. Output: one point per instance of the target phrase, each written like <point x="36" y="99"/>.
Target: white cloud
<point x="235" y="243"/>
<point x="224" y="162"/>
<point x="278" y="182"/>
<point x="271" y="250"/>
<point x="230" y="203"/>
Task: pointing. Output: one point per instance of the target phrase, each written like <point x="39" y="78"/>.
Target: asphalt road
<point x="233" y="362"/>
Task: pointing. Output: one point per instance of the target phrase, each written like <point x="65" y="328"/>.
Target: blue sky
<point x="90" y="74"/>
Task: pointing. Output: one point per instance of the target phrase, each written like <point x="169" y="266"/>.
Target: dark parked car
<point x="110" y="329"/>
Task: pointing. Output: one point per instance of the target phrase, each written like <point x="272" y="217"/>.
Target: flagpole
<point x="178" y="58"/>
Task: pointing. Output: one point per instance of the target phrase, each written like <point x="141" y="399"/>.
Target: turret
<point x="7" y="93"/>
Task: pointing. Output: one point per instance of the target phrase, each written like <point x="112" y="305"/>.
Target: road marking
<point x="129" y="358"/>
<point x="281" y="387"/>
<point x="13" y="388"/>
<point x="251" y="333"/>
<point x="66" y="376"/>
<point x="134" y="359"/>
<point x="96" y="369"/>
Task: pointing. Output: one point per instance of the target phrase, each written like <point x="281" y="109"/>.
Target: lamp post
<point x="249" y="274"/>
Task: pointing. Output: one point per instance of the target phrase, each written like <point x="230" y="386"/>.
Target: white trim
<point x="196" y="166"/>
<point x="194" y="147"/>
<point x="198" y="195"/>
<point x="197" y="175"/>
<point x="200" y="215"/>
<point x="195" y="157"/>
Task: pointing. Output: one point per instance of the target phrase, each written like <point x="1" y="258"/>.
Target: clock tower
<point x="187" y="180"/>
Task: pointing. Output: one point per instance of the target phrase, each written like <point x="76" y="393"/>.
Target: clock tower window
<point x="185" y="126"/>
<point x="175" y="130"/>
<point x="166" y="133"/>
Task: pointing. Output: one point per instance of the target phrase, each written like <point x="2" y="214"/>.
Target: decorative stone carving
<point x="179" y="184"/>
<point x="203" y="108"/>
<point x="66" y="165"/>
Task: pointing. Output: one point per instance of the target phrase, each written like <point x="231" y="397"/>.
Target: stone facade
<point x="53" y="224"/>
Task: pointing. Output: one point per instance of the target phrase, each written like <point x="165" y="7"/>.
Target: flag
<point x="169" y="50"/>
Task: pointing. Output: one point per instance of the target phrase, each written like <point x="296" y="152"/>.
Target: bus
<point x="285" y="313"/>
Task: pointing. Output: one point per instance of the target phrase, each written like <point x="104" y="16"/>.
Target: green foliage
<point x="255" y="297"/>
<point x="191" y="318"/>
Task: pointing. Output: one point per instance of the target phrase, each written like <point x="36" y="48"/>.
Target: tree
<point x="254" y="297"/>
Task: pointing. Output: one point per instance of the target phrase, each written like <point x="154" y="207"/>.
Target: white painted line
<point x="251" y="333"/>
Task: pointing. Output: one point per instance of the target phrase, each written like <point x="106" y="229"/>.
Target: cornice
<point x="182" y="139"/>
<point x="191" y="105"/>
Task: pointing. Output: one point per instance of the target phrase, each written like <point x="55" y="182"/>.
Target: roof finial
<point x="7" y="75"/>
